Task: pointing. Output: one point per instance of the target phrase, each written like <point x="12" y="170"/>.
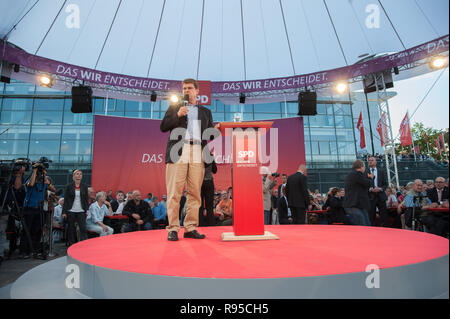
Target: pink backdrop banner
<point x="128" y="154"/>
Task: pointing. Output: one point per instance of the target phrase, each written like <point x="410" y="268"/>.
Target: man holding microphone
<point x="187" y="123"/>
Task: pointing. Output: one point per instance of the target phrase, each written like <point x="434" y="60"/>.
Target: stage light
<point x="174" y="99"/>
<point x="16" y="68"/>
<point x="438" y="62"/>
<point x="46" y="80"/>
<point x="341" y="87"/>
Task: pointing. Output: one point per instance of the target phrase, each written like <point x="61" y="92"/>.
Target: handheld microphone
<point x="186" y="99"/>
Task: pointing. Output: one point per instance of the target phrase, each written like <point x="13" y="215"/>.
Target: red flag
<point x="386" y="139"/>
<point x="438" y="145"/>
<point x="380" y="132"/>
<point x="417" y="150"/>
<point x="405" y="132"/>
<point x="426" y="137"/>
<point x="443" y="142"/>
<point x="381" y="127"/>
<point x="360" y="127"/>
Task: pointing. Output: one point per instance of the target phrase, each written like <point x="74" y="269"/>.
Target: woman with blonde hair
<point x="76" y="205"/>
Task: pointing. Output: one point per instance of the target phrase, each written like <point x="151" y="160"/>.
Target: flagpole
<point x="370" y="124"/>
<point x="412" y="139"/>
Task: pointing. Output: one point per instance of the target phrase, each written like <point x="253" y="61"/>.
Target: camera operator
<point x="417" y="199"/>
<point x="267" y="188"/>
<point x="35" y="189"/>
<point x="7" y="221"/>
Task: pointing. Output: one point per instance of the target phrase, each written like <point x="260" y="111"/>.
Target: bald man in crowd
<point x="139" y="213"/>
<point x="297" y="194"/>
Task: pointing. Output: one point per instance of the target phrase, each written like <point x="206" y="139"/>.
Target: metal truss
<point x="389" y="146"/>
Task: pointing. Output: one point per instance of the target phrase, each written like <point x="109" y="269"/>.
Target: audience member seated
<point x="149" y="198"/>
<point x="109" y="196"/>
<point x="92" y="194"/>
<point x="336" y="212"/>
<point x="118" y="204"/>
<point x="139" y="213"/>
<point x="96" y="213"/>
<point x="417" y="199"/>
<point x="224" y="210"/>
<point x="164" y="201"/>
<point x="391" y="201"/>
<point x="159" y="214"/>
<point x="129" y="196"/>
<point x="57" y="220"/>
<point x="430" y="183"/>
<point x="439" y="193"/>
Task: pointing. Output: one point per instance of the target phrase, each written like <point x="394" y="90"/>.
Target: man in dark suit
<point x="284" y="213"/>
<point x="356" y="201"/>
<point x="377" y="193"/>
<point x="187" y="123"/>
<point x="297" y="195"/>
<point x="439" y="193"/>
<point x="283" y="183"/>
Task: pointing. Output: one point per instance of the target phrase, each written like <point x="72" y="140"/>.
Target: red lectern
<point x="248" y="208"/>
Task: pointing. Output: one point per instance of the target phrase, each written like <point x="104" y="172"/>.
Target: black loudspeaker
<point x="242" y="99"/>
<point x="6" y="72"/>
<point x="81" y="99"/>
<point x="153" y="97"/>
<point x="307" y="103"/>
<point x="369" y="81"/>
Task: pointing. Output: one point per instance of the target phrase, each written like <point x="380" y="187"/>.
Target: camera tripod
<point x="16" y="211"/>
<point x="18" y="215"/>
<point x="414" y="219"/>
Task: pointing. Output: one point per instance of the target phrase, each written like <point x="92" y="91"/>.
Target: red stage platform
<point x="301" y="251"/>
<point x="305" y="257"/>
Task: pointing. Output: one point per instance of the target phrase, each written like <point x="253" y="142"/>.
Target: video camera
<point x="42" y="164"/>
<point x="10" y="167"/>
<point x="276" y="175"/>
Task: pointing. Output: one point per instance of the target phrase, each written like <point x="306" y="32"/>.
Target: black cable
<point x="421" y="10"/>
<point x="335" y="32"/>
<point x="243" y="41"/>
<point x="200" y="44"/>
<point x="6" y="35"/>
<point x="287" y="37"/>
<point x="48" y="31"/>
<point x="156" y="38"/>
<point x="392" y="25"/>
<point x="107" y="36"/>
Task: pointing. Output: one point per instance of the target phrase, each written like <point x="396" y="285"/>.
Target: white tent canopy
<point x="219" y="40"/>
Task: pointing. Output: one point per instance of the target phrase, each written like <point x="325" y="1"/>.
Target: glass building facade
<point x="37" y="121"/>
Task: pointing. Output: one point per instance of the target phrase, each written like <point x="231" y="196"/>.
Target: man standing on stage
<point x="356" y="201"/>
<point x="184" y="161"/>
<point x="377" y="193"/>
<point x="297" y="195"/>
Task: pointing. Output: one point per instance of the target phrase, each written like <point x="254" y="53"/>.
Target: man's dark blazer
<point x="382" y="183"/>
<point x="432" y="194"/>
<point x="357" y="187"/>
<point x="171" y="121"/>
<point x="297" y="191"/>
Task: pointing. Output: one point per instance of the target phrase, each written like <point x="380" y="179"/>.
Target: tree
<point x="418" y="131"/>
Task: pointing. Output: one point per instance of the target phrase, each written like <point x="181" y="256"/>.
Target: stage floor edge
<point x="48" y="281"/>
<point x="69" y="278"/>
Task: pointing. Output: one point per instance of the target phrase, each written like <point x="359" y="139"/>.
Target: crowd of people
<point x="366" y="200"/>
